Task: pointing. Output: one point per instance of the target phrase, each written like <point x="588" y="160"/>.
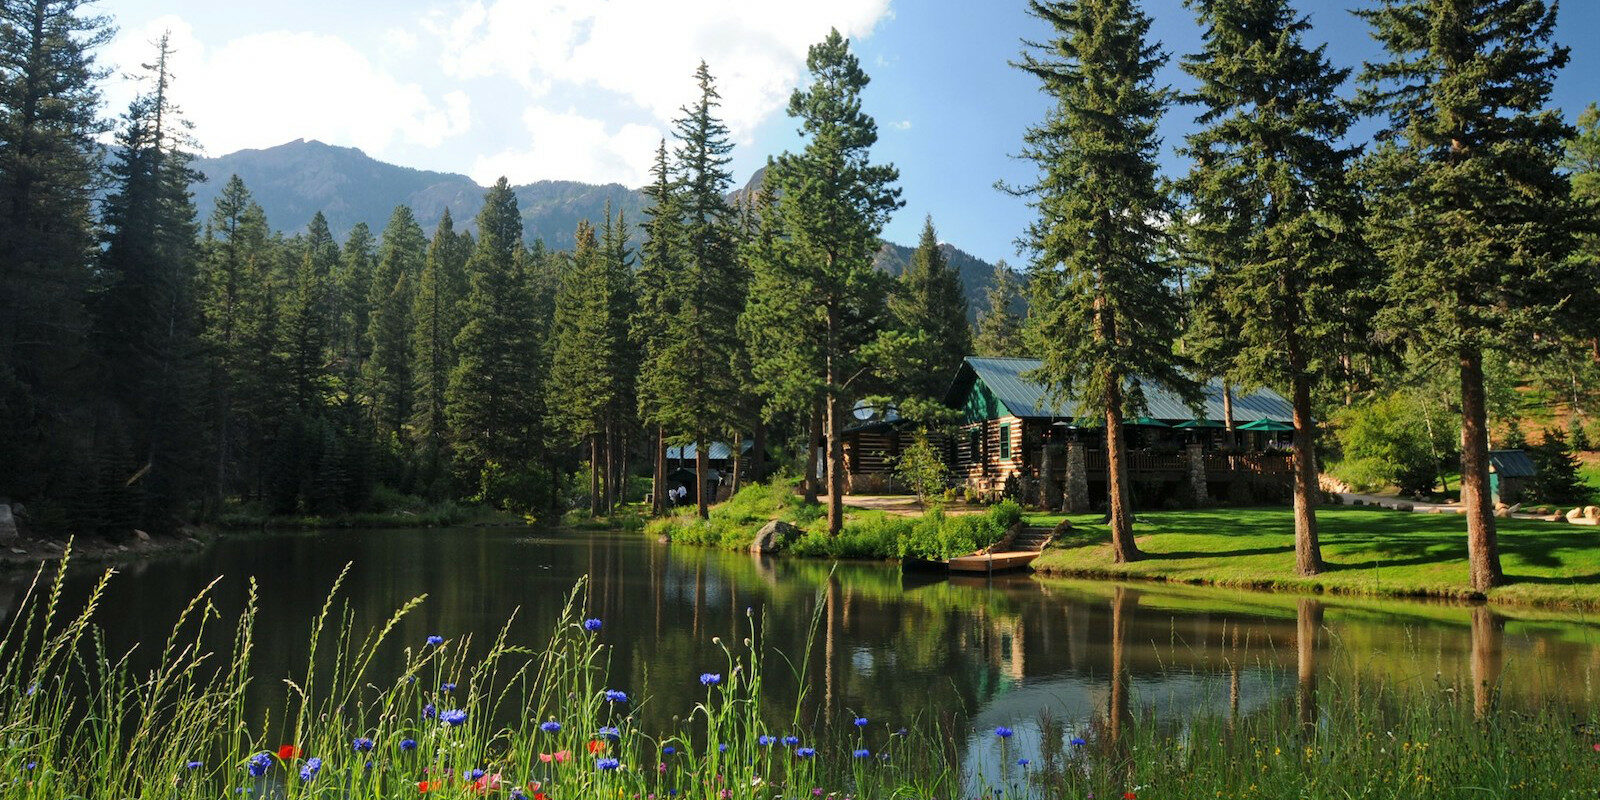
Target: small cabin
<point x="1509" y="473"/>
<point x="1016" y="441"/>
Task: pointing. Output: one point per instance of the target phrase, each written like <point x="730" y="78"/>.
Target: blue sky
<point x="583" y="89"/>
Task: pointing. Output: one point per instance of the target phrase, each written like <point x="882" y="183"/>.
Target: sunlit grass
<point x="1368" y="551"/>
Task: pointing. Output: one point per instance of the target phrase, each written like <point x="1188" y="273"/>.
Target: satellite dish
<point x="864" y="411"/>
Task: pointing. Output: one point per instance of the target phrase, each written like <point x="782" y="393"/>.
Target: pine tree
<point x="437" y="321"/>
<point x="657" y="303"/>
<point x="307" y="315"/>
<point x="623" y="365"/>
<point x="834" y="202"/>
<point x="581" y="352"/>
<point x="145" y="306"/>
<point x="1469" y="208"/>
<point x="353" y="286"/>
<point x="1103" y="309"/>
<point x="782" y="340"/>
<point x="1272" y="218"/>
<point x="494" y="402"/>
<point x="401" y="254"/>
<point x="930" y="310"/>
<point x="232" y="286"/>
<point x="691" y="372"/>
<point x="49" y="161"/>
<point x="999" y="328"/>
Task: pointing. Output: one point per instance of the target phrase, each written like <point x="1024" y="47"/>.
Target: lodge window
<point x="974" y="442"/>
<point x="1005" y="442"/>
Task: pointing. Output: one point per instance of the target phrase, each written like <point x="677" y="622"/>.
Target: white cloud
<point x="268" y="88"/>
<point x="902" y="125"/>
<point x="645" y="51"/>
<point x="570" y="146"/>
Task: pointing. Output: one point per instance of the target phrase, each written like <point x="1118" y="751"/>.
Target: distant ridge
<point x="295" y="180"/>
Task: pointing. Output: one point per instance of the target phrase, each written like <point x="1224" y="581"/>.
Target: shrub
<point x="1387" y="442"/>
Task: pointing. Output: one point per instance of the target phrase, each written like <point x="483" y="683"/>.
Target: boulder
<point x="1574" y="515"/>
<point x="8" y="524"/>
<point x="141" y="535"/>
<point x="1592" y="512"/>
<point x="1404" y="507"/>
<point x="773" y="536"/>
<point x="1503" y="511"/>
<point x="1062" y="528"/>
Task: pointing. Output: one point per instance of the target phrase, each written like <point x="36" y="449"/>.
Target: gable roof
<point x="717" y="452"/>
<point x="1512" y="464"/>
<point x="1006" y="379"/>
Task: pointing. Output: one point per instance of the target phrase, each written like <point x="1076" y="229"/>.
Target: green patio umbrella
<point x="1147" y="421"/>
<point x="1266" y="425"/>
<point x="1200" y="423"/>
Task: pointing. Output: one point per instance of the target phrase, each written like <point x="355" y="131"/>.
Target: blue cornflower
<point x="516" y="793"/>
<point x="591" y="625"/>
<point x="408" y="745"/>
<point x="722" y="748"/>
<point x="861" y="722"/>
<point x="193" y="765"/>
<point x="609" y="732"/>
<point x="607" y="764"/>
<point x="435" y="640"/>
<point x="428" y="711"/>
<point x="863" y="753"/>
<point x="902" y="732"/>
<point x="710" y="679"/>
<point x="790" y="741"/>
<point x="453" y="718"/>
<point x="550" y="726"/>
<point x="765" y="740"/>
<point x="1003" y="732"/>
<point x="310" y="769"/>
<point x="668" y="750"/>
<point x="362" y="745"/>
<point x="1077" y="742"/>
<point x="447" y="687"/>
<point x="475" y="774"/>
<point x="616" y="697"/>
<point x="805" y="752"/>
<point x="1022" y="762"/>
<point x="259" y="764"/>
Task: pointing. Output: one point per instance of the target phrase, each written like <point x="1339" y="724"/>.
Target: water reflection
<point x="1051" y="659"/>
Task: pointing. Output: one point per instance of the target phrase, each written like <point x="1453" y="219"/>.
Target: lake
<point x="1014" y="651"/>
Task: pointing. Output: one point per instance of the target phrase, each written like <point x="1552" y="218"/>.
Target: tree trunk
<point x="1483" y="551"/>
<point x="835" y="461"/>
<point x="594" y="474"/>
<point x="658" y="479"/>
<point x="1123" y="546"/>
<point x="1118" y="711"/>
<point x="758" y="452"/>
<point x="1227" y="414"/>
<point x="1307" y="551"/>
<point x="702" y="474"/>
<point x="738" y="463"/>
<point x="813" y="442"/>
<point x="608" y="485"/>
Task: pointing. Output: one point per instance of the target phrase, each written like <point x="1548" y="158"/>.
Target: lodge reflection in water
<point x="1090" y="656"/>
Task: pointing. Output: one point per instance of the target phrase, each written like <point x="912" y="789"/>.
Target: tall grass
<point x="454" y="718"/>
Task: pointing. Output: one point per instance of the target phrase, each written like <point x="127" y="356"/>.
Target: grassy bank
<point x="446" y="514"/>
<point x="80" y="723"/>
<point x="1368" y="551"/>
<point x="867" y="534"/>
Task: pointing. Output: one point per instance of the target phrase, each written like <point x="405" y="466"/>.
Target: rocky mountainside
<point x="295" y="180"/>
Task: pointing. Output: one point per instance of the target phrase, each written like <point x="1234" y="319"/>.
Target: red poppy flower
<point x="597" y="746"/>
<point x="1127" y="796"/>
<point x="422" y="786"/>
<point x="288" y="751"/>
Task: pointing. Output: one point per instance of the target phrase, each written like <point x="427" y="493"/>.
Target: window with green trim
<point x="1005" y="442"/>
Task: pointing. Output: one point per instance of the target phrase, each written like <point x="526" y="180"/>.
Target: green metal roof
<point x="1023" y="397"/>
<point x="1512" y="464"/>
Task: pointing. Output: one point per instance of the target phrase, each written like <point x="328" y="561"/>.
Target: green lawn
<point x="1369" y="551"/>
